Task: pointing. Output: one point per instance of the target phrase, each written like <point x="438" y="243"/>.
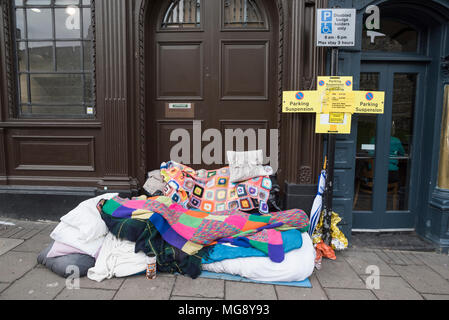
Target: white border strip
<point x="7" y="223"/>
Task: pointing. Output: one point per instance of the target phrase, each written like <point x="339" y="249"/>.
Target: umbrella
<point x="317" y="203"/>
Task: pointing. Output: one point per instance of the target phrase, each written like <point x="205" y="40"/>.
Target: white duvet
<point x="82" y="227"/>
<point x="298" y="265"/>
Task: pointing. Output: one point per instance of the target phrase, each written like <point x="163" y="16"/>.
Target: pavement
<point x="358" y="273"/>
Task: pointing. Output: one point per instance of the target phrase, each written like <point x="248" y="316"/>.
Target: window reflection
<point x="41" y="56"/>
<point x="39" y="23"/>
<point x="399" y="37"/>
<point x="23" y="85"/>
<point x="182" y="14"/>
<point x="243" y="14"/>
<point x="54" y="56"/>
<point x="366" y="150"/>
<point x="54" y="89"/>
<point x="399" y="165"/>
<point x="68" y="55"/>
<point x="68" y="21"/>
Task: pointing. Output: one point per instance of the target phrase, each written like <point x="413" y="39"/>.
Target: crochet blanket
<point x="211" y="190"/>
<point x="191" y="230"/>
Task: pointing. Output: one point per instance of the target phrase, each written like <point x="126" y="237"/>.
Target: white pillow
<point x="86" y="218"/>
<point x="155" y="182"/>
<point x="247" y="165"/>
<point x="298" y="265"/>
<point x="70" y="235"/>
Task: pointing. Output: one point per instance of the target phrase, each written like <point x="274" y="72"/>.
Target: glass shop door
<point x="387" y="159"/>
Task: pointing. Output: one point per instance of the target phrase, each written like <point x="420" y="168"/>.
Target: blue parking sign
<point x="326" y="15"/>
<point x="335" y="27"/>
<point x="326" y="28"/>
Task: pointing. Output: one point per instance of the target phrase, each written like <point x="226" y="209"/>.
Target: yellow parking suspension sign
<point x="369" y="102"/>
<point x="334" y="102"/>
<point x="333" y="123"/>
<point x="301" y="101"/>
<point x="338" y="101"/>
<point x="334" y="84"/>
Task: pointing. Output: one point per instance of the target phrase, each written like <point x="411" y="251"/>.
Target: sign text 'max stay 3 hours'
<point x="336" y="27"/>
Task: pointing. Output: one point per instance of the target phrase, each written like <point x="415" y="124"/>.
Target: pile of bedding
<point x="214" y="220"/>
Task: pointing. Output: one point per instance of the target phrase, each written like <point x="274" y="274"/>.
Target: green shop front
<point x="391" y="171"/>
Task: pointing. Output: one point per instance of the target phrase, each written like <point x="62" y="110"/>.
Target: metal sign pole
<point x="331" y="141"/>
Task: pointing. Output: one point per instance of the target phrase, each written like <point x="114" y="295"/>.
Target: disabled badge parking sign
<point x="336" y="27"/>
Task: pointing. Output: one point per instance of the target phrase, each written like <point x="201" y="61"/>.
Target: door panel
<point x="180" y="78"/>
<point x="386" y="145"/>
<point x="225" y="66"/>
<point x="244" y="71"/>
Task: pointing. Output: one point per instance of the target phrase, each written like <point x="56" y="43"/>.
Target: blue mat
<point x="225" y="276"/>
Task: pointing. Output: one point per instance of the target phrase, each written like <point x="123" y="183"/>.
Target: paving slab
<point x="338" y="274"/>
<point x="436" y="297"/>
<point x="15" y="264"/>
<point x="191" y="298"/>
<point x="85" y="294"/>
<point x="7" y="244"/>
<point x="387" y="259"/>
<point x="361" y="260"/>
<point x="395" y="288"/>
<point x="26" y="234"/>
<point x="395" y="258"/>
<point x="437" y="262"/>
<point x="249" y="291"/>
<point x="296" y="293"/>
<point x="38" y="284"/>
<point x="409" y="258"/>
<point x="423" y="279"/>
<point x="140" y="288"/>
<point x="107" y="284"/>
<point x="22" y="229"/>
<point x="349" y="294"/>
<point x="10" y="231"/>
<point x="199" y="287"/>
<point x="3" y="286"/>
<point x="37" y="243"/>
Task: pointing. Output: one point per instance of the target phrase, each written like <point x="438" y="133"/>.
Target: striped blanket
<point x="191" y="230"/>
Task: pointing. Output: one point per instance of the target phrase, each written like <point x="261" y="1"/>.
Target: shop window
<point x="243" y="14"/>
<point x="399" y="37"/>
<point x="54" y="46"/>
<point x="182" y="14"/>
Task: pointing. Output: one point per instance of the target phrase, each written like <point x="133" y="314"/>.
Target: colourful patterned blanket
<point x="212" y="191"/>
<point x="190" y="230"/>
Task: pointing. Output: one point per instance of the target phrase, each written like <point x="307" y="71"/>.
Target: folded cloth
<point x="136" y="228"/>
<point x="71" y="236"/>
<point x="155" y="182"/>
<point x="85" y="217"/>
<point x="74" y="264"/>
<point x="82" y="228"/>
<point x="291" y="239"/>
<point x="61" y="249"/>
<point x="190" y="230"/>
<point x="247" y="165"/>
<point x="298" y="265"/>
<point x="117" y="259"/>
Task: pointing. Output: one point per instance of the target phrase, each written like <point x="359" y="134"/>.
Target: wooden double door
<point x="213" y="62"/>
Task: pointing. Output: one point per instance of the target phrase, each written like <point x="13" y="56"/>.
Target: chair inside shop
<point x="365" y="184"/>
